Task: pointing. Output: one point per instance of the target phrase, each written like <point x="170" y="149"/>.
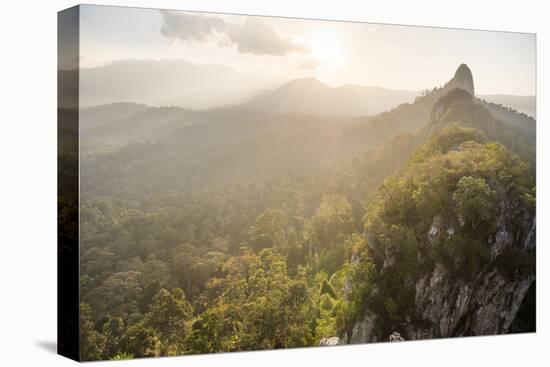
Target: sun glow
<point x="328" y="49"/>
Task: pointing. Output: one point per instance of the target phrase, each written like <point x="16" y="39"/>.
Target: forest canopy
<point x="232" y="268"/>
<point x="302" y="229"/>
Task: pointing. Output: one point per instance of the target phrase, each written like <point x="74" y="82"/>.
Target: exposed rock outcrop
<point x="463" y="79"/>
<point x="484" y="306"/>
<point x="450" y="307"/>
<point x="330" y="342"/>
<point x="365" y="331"/>
<point x="396" y="337"/>
<point x="497" y="298"/>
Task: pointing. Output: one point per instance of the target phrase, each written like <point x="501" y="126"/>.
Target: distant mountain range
<point x="288" y="111"/>
<point x="199" y="87"/>
<point x="310" y="96"/>
<point x="168" y="83"/>
<point x="440" y="216"/>
<point x="524" y="104"/>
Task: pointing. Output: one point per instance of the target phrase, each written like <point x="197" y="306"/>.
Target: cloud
<point x="249" y="36"/>
<point x="189" y="26"/>
<point x="255" y="36"/>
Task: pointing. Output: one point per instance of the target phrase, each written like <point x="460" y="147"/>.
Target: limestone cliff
<point x="462" y="79"/>
<point x="498" y="297"/>
<point x="488" y="304"/>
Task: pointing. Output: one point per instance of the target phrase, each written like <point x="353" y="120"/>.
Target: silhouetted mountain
<point x="268" y="115"/>
<point x="412" y="117"/>
<point x="462" y="108"/>
<point x="167" y="83"/>
<point x="522" y="104"/>
<point x="195" y="86"/>
<point x="426" y="208"/>
<point x="463" y="79"/>
<point x="123" y="123"/>
<point x="310" y="96"/>
<point x="95" y="116"/>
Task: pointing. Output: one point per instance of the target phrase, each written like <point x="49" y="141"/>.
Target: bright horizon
<point x="276" y="50"/>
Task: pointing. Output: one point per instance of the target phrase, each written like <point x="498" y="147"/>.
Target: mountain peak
<point x="463" y="79"/>
<point x="309" y="82"/>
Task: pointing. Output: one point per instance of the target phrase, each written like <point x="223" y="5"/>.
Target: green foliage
<point x="92" y="343"/>
<point x="393" y="309"/>
<point x="332" y="220"/>
<point x="113" y="330"/>
<point x="475" y="201"/>
<point x="119" y="294"/>
<point x="212" y="331"/>
<point x="331" y="260"/>
<point x="169" y="317"/>
<point x="441" y="209"/>
<point x="183" y="253"/>
<point x="140" y="341"/>
<point x="326" y="288"/>
<point x="359" y="272"/>
<point x="122" y="356"/>
<point x="266" y="308"/>
<point x="462" y="256"/>
<point x="449" y="138"/>
<point x="270" y="230"/>
<point x="326" y="324"/>
<point x="296" y="257"/>
<point x="163" y="329"/>
<point x="158" y="217"/>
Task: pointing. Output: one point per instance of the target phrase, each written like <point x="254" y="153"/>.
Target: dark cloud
<point x="253" y="35"/>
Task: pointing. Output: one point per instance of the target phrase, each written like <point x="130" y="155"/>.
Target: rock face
<point x="459" y="89"/>
<point x="460" y="107"/>
<point x="330" y="342"/>
<point x="396" y="337"/>
<point x="463" y="79"/>
<point x="450" y="307"/>
<point x="491" y="301"/>
<point x="365" y="331"/>
<point x="485" y="306"/>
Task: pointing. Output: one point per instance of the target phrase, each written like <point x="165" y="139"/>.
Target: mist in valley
<point x="276" y="202"/>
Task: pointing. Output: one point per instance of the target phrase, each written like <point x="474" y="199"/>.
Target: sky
<point x="337" y="53"/>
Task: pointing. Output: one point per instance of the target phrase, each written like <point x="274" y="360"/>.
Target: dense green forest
<point x="213" y="240"/>
<point x="225" y="267"/>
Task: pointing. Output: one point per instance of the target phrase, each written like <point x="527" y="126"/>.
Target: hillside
<point x="450" y="244"/>
<point x="233" y="229"/>
<point x="312" y="100"/>
<point x="310" y="139"/>
<point x="310" y="96"/>
<point x="167" y="83"/>
<point x="522" y="104"/>
<point x="416" y="116"/>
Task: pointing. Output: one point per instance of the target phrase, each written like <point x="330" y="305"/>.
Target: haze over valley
<point x="180" y="83"/>
<point x="257" y="183"/>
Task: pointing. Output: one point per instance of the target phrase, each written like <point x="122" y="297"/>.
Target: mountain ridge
<point x="451" y="290"/>
<point x="311" y="96"/>
<point x="204" y="87"/>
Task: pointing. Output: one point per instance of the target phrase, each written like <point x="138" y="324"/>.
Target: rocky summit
<point x="463" y="79"/>
<point x="445" y="276"/>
